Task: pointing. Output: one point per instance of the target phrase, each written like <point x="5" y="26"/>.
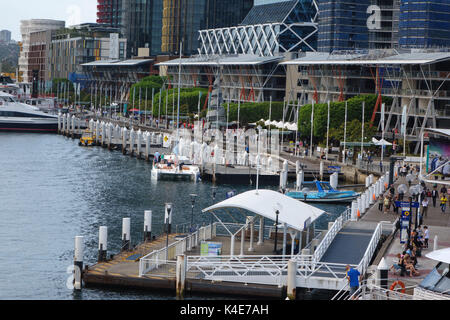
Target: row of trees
<point x="166" y="102"/>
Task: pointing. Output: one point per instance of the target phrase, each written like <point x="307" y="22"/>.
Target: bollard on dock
<point x="78" y="262"/>
<point x="147" y="225"/>
<point x="292" y="280"/>
<point x="126" y="230"/>
<point x="102" y="244"/>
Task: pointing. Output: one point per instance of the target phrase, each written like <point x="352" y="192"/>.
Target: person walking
<point x="387" y="204"/>
<point x="354" y="277"/>
<point x="424" y="207"/>
<point x="426" y="236"/>
<point x="443" y="202"/>
<point x="434" y="195"/>
<point x="380" y="203"/>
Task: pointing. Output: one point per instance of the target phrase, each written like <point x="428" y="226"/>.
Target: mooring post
<point x="59" y="123"/>
<point x="363" y="203"/>
<point x="147" y="146"/>
<point x="126" y="229"/>
<point x="180" y="275"/>
<point x="78" y="262"/>
<point x="354" y="210"/>
<point x="383" y="274"/>
<point x="435" y="244"/>
<point x="139" y="144"/>
<point x="124" y="140"/>
<point x="148" y="225"/>
<point x="132" y="139"/>
<point x="292" y="280"/>
<point x="102" y="244"/>
<point x="321" y="170"/>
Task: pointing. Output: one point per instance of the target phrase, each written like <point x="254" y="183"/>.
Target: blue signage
<point x="406" y="204"/>
<point x="404" y="224"/>
<point x="333" y="169"/>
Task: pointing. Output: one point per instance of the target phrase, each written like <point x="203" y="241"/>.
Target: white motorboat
<point x="172" y="167"/>
<point x="16" y="116"/>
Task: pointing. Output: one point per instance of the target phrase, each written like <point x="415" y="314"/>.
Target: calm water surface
<point x="51" y="190"/>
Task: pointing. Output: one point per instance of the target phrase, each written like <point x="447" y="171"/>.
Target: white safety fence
<point x="158" y="258"/>
<point x="373" y="244"/>
<point x="331" y="234"/>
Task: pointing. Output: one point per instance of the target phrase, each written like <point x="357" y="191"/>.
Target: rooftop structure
<point x="26" y="28"/>
<point x="115" y="76"/>
<point x="417" y="79"/>
<point x="267" y="30"/>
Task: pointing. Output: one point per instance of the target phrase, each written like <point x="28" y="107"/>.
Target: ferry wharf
<point x="241" y="259"/>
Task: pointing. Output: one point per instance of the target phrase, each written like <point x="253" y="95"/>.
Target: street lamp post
<point x="168" y="212"/>
<point x="193" y="197"/>
<point x="214" y="191"/>
<point x="276" y="232"/>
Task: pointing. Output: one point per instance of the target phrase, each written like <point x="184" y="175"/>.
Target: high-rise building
<point x="385" y="33"/>
<point x="161" y="25"/>
<point x="182" y="21"/>
<point x="343" y="25"/>
<point x="82" y="44"/>
<point x="5" y="36"/>
<point x="424" y="23"/>
<point x="27" y="27"/>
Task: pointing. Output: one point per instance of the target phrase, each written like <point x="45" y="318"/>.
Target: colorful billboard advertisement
<point x="438" y="157"/>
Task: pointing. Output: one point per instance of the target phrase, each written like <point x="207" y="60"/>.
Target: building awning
<point x="296" y="214"/>
<point x="444" y="132"/>
<point x="117" y="63"/>
<point x="410" y="58"/>
<point x="243" y="59"/>
<point x="442" y="255"/>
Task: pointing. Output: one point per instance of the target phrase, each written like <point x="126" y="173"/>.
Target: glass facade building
<point x="343" y="25"/>
<point x="267" y="30"/>
<point x="182" y="20"/>
<point x="424" y="23"/>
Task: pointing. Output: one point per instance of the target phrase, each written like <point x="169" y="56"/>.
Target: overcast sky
<point x="71" y="11"/>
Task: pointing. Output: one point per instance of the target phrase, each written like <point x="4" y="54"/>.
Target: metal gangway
<point x="323" y="268"/>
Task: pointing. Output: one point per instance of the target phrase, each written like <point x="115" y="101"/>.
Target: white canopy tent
<point x="381" y="142"/>
<point x="292" y="214"/>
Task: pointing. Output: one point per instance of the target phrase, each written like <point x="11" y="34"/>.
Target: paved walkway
<point x="438" y="224"/>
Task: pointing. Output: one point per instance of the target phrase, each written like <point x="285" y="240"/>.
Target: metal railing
<point x="369" y="291"/>
<point x="164" y="256"/>
<point x="331" y="234"/>
<point x="373" y="245"/>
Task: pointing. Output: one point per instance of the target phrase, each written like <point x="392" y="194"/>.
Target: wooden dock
<point x="122" y="271"/>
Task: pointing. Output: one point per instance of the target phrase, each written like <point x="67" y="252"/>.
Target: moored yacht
<point x="16" y="116"/>
<point x="173" y="167"/>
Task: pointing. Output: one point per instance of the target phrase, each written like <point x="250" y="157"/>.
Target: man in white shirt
<point x="426" y="236"/>
<point x="424" y="207"/>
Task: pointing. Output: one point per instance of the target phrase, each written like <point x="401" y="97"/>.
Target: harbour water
<point x="52" y="190"/>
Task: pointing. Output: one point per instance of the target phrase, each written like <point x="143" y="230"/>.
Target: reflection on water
<point x="51" y="190"/>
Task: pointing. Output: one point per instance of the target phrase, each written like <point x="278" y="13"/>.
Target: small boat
<point x="319" y="191"/>
<point x="87" y="139"/>
<point x="173" y="167"/>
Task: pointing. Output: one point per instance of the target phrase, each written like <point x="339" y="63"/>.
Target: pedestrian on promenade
<point x="424" y="207"/>
<point x="434" y="195"/>
<point x="426" y="236"/>
<point x="444" y="190"/>
<point x="353" y="277"/>
<point x="387" y="204"/>
<point x="394" y="205"/>
<point x="380" y="203"/>
<point x="443" y="202"/>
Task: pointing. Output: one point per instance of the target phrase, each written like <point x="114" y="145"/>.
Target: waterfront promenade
<point x="438" y="224"/>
